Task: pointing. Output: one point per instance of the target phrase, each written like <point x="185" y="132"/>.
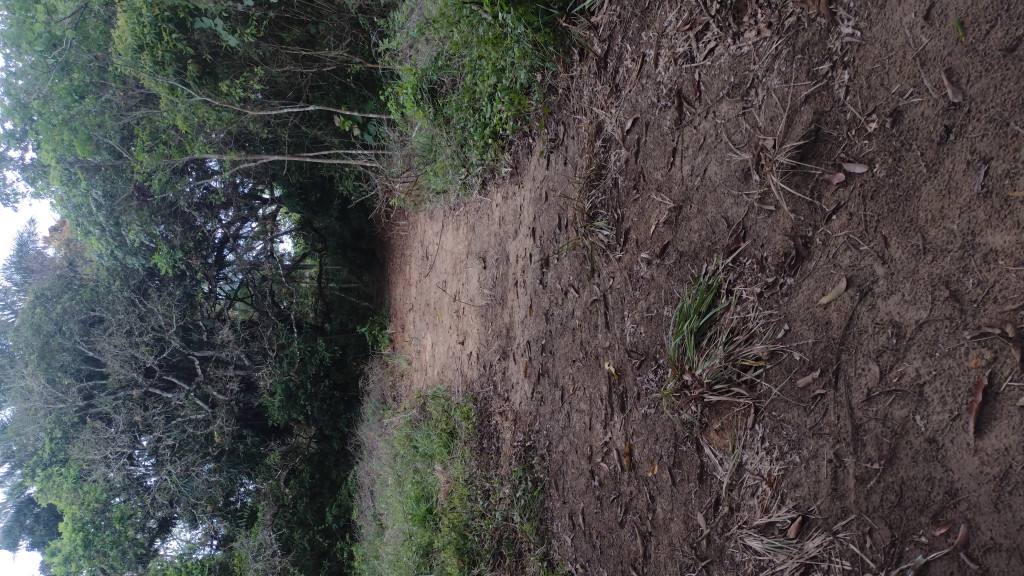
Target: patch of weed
<point x="589" y="219"/>
<point x="425" y="503"/>
<point x="377" y="333"/>
<point x="590" y="225"/>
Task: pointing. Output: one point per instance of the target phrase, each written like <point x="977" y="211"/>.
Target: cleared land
<point x="691" y="132"/>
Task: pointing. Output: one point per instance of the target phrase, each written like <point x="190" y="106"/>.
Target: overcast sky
<point x="11" y="222"/>
<point x="23" y="563"/>
<point x="20" y="564"/>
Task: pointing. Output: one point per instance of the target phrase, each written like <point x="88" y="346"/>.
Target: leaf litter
<point x="972" y="407"/>
<point x="808" y="380"/>
<point x="835" y="293"/>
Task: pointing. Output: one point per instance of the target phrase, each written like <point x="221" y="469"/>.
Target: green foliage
<point x="589" y="220"/>
<point x="181" y="362"/>
<point x="208" y="566"/>
<point x="141" y="408"/>
<point x="428" y="506"/>
<point x="29" y="525"/>
<point x="377" y="332"/>
<point x="469" y="75"/>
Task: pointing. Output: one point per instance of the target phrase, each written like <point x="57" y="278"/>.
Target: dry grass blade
<point x="775" y="160"/>
<point x="589" y="219"/>
<point x="818" y="551"/>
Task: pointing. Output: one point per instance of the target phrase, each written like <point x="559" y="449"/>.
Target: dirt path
<point x="692" y="129"/>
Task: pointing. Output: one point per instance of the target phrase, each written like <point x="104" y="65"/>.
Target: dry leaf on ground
<point x="629" y="124"/>
<point x="836" y="178"/>
<point x="961" y="538"/>
<point x="611" y="370"/>
<point x="974" y="566"/>
<point x="795" y="527"/>
<point x="807" y="380"/>
<point x="653" y="469"/>
<point x="835" y="293"/>
<point x="940" y="530"/>
<point x="973" y="406"/>
<point x="1015" y="342"/>
<point x="875" y="373"/>
<point x="980" y="180"/>
<point x="954" y="93"/>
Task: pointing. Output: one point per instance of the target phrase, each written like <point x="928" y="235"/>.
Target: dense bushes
<point x="467" y="77"/>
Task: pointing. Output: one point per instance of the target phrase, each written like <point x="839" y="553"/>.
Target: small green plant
<point x="589" y="220"/>
<point x="717" y="344"/>
<point x="377" y="333"/>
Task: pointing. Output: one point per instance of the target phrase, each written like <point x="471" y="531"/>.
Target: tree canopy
<point x="177" y="354"/>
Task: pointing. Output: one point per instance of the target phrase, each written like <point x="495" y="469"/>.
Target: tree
<point x="28" y="525"/>
<point x="178" y="351"/>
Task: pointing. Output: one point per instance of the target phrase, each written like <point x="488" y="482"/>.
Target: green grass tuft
<point x="718" y="342"/>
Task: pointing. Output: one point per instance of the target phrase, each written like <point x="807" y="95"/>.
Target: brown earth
<point x="681" y="128"/>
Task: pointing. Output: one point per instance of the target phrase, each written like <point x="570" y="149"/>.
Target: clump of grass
<point x="427" y="505"/>
<point x="589" y="220"/>
<point x="776" y="539"/>
<point x="778" y="164"/>
<point x="718" y="344"/>
<point x="590" y="224"/>
<point x="816" y="553"/>
<point x="468" y="76"/>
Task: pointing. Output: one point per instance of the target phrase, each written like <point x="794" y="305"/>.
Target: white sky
<point x="23" y="563"/>
<point x="20" y="564"/>
<point x="11" y="222"/>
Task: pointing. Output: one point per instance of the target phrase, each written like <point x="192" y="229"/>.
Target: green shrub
<point x="378" y="337"/>
<point x="468" y="77"/>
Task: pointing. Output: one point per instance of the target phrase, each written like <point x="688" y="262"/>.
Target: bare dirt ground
<point x="695" y="128"/>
